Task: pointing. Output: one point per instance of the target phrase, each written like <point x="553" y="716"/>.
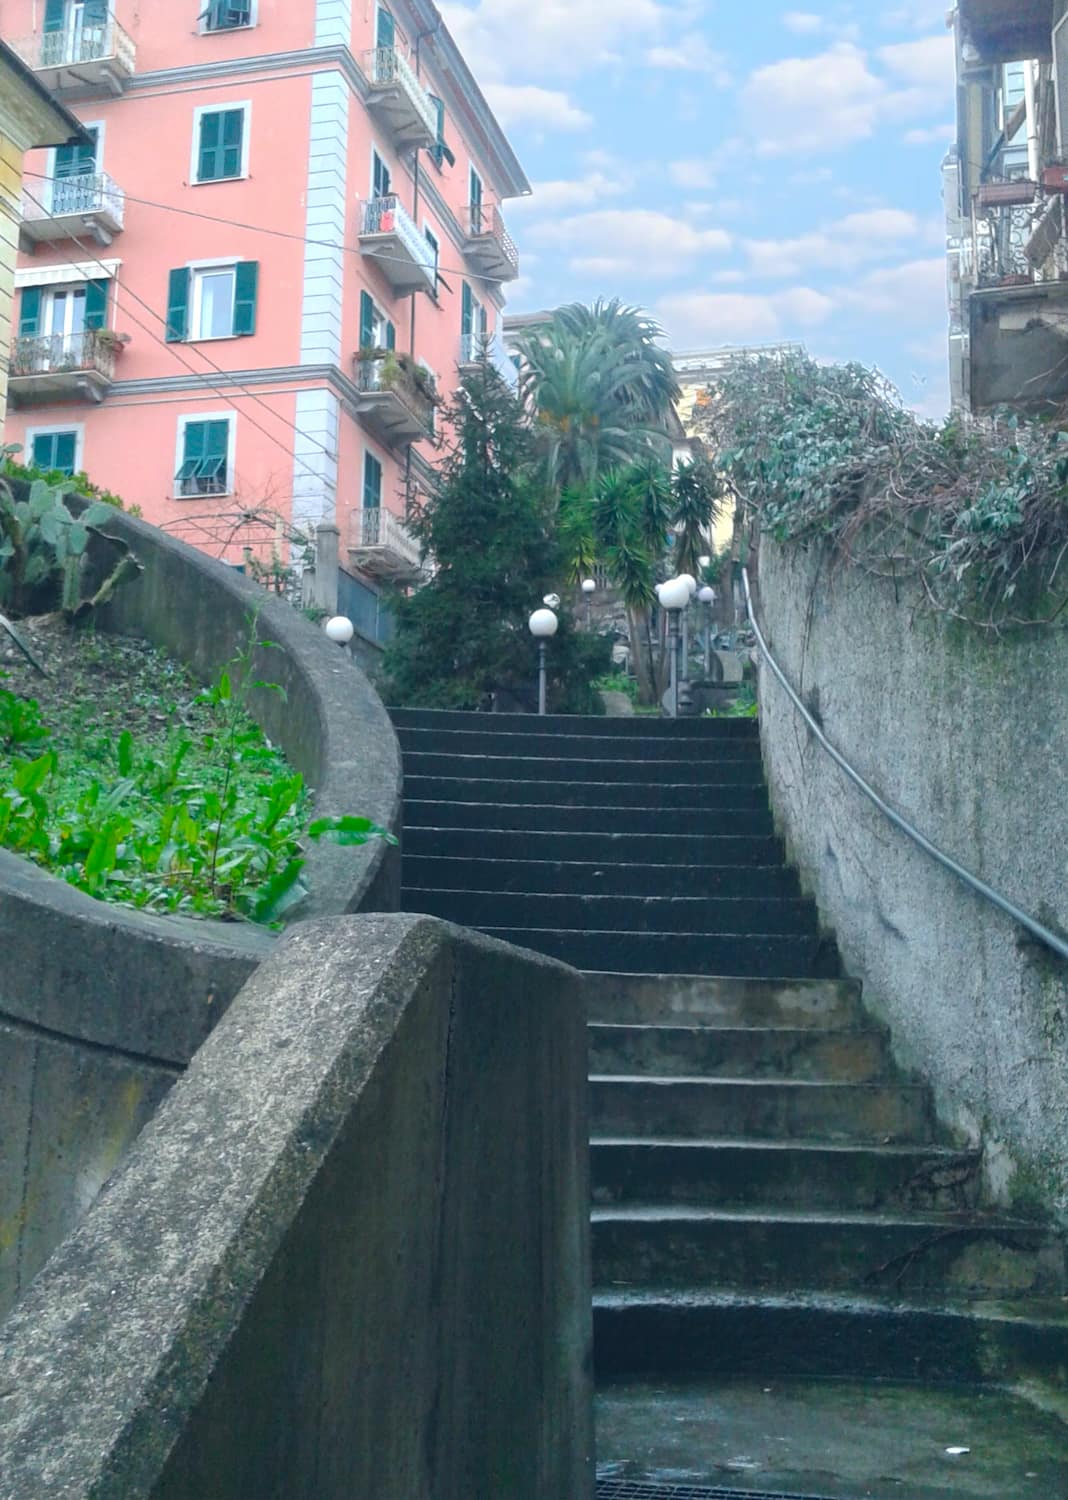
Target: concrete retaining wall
<point x="349" y="1255"/>
<point x="101" y="1006"/>
<point x="965" y="735"/>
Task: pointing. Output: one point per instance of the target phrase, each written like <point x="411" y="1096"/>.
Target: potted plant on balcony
<point x="114" y="343"/>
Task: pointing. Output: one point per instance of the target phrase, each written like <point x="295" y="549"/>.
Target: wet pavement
<point x="838" y="1440"/>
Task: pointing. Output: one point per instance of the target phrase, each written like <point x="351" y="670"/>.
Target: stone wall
<point x="348" y="1256"/>
<point x="964" y="734"/>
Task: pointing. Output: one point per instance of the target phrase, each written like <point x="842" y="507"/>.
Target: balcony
<point x="395" y="403"/>
<point x="488" y="245"/>
<point x="79" y="57"/>
<point x="62" y="367"/>
<point x="382" y="545"/>
<point x="1018" y="236"/>
<point x="89" y="204"/>
<point x="388" y="235"/>
<point x="1002" y="31"/>
<point x="398" y="99"/>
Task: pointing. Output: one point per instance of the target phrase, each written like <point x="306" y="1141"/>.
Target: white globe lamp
<point x="339" y="629"/>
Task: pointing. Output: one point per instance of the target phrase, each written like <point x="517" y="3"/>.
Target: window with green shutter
<point x="372" y="482"/>
<point x="367" y="321"/>
<point x="226" y="15"/>
<point x="439" y="150"/>
<point x="246" y="285"/>
<point x="30" y="312"/>
<point x="220" y="144"/>
<point x="96" y="303"/>
<point x="212" y="302"/>
<point x="55" y="451"/>
<point x="203" y="469"/>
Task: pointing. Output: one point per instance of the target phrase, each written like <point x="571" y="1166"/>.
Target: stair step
<point x="765" y="1109"/>
<point x="550" y="817"/>
<point x="587" y="794"/>
<point x="827" y="1335"/>
<point x="640" y="727"/>
<point x="746" y="771"/>
<point x="621" y="749"/>
<point x="783" y="1174"/>
<point x="739" y="1052"/>
<point x="649" y="915"/>
<point x="700" y="1000"/>
<point x="755" y="955"/>
<point x="624" y="848"/>
<point x="675" y="1245"/>
<point x="555" y="878"/>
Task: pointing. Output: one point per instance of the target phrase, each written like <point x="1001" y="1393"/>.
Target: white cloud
<point x="741" y="317"/>
<point x="545" y="109"/>
<point x="913" y="293"/>
<point x="629" y="242"/>
<point x="690" y="54"/>
<point x="841" y="245"/>
<point x="695" y="174"/>
<point x="803" y="22"/>
<point x="567" y="193"/>
<point x="935" y="135"/>
<point x="927" y="63"/>
<point x="505" y="38"/>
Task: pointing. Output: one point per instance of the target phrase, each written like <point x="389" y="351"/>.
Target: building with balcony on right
<point x="1005" y="188"/>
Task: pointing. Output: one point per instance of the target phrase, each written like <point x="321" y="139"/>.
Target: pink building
<point x="234" y="308"/>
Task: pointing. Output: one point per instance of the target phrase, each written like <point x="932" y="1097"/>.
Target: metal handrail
<point x="1036" y="929"/>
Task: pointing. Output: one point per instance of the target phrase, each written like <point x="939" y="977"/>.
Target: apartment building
<point x="1005" y="185"/>
<point x="239" y="301"/>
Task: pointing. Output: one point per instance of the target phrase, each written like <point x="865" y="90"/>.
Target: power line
<point x="283" y="234"/>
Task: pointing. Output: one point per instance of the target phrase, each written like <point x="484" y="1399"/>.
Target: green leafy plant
<point x="42" y="544"/>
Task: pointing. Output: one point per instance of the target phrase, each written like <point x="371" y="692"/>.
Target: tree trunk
<point x="641" y="655"/>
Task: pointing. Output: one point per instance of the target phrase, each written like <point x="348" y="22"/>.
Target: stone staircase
<point x="770" y="1194"/>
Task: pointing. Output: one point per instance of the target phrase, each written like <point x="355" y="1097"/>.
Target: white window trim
<point x="246" y="138"/>
<point x="253" y="20"/>
<point x="195" y="299"/>
<point x="78" y="428"/>
<point x="231" y="451"/>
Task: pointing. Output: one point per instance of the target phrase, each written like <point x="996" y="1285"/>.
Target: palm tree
<point x="634" y="335"/>
<point x="697" y="502"/>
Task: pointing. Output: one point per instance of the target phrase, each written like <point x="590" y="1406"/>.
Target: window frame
<point x="199" y="111"/>
<point x="230" y="417"/>
<point x="371" y="458"/>
<point x="56" y="429"/>
<point x="380" y="156"/>
<point x="206" y="30"/>
<point x="433" y="239"/>
<point x="197" y="270"/>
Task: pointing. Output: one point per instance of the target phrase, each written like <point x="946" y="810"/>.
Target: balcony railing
<point x="62" y="364"/>
<point x="400" y="98"/>
<point x="397" y="405"/>
<point x="382" y="545"/>
<point x="99" y="54"/>
<point x="64" y="207"/>
<point x="487" y="244"/>
<point x="1017" y="244"/>
<point x="388" y="233"/>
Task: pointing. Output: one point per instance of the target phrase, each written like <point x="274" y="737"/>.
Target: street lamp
<point x="674" y="596"/>
<point x="339" y="629"/>
<point x="704" y="561"/>
<point x="707" y="596"/>
<point x="589" y="588"/>
<point x="543" y="626"/>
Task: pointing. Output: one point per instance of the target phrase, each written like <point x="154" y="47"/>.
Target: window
<point x="385" y="28"/>
<point x="435" y="250"/>
<point x="1013" y="94"/>
<point x="376" y="331"/>
<point x="204" y="456"/>
<point x="372" y="482"/>
<point x="473" y="325"/>
<point x="381" y="183"/>
<point x="55" y="449"/>
<point x="439" y="151"/>
<point x="226" y="15"/>
<point x="214" y="301"/>
<point x="220" y="143"/>
<point x="57" y="318"/>
<point x="475" y="201"/>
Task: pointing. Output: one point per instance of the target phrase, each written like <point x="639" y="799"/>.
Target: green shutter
<point x="367" y="321"/>
<point x="232" y="136"/>
<point x="55" y="451"/>
<point x="391" y="336"/>
<point x="466" y="310"/>
<point x="30" y="312"/>
<point x="205" y="451"/>
<point x="385" y="29"/>
<point x="208" y="148"/>
<point x="178" y="307"/>
<point x="219" y="152"/>
<point x="372" y="482"/>
<point x="437" y="150"/>
<point x="54" y="13"/>
<point x="96" y="304"/>
<point x="76" y="159"/>
<point x="95" y="13"/>
<point x="246" y="282"/>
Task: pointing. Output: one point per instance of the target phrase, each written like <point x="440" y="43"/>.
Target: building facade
<point x="1005" y="188"/>
<point x="240" y="300"/>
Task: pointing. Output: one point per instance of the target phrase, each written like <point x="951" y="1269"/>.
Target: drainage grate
<point x="625" y="1489"/>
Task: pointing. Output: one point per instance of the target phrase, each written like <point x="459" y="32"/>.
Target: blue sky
<point x="749" y="172"/>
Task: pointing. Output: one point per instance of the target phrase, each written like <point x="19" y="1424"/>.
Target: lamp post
<point x="339" y="629"/>
<point x="674" y="597"/>
<point x="707" y="596"/>
<point x="589" y="588"/>
<point x="691" y="583"/>
<point x="543" y="626"/>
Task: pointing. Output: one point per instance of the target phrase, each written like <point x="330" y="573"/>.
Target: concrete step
<point x="623" y="794"/>
<point x="659" y="916"/>
<point x="757" y="955"/>
<point x="567" y="747"/>
<point x="828" y="1335"/>
<point x="739" y="1052"/>
<point x="650" y="999"/>
<point x="813" y="1175"/>
<point x="735" y="771"/>
<point x="944" y="1254"/>
<point x="550" y="817"/>
<point x="697" y="1108"/>
<point x="640" y="727"/>
<point x="552" y="877"/>
<point x="612" y="848"/>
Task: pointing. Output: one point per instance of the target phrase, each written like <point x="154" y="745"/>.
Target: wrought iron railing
<point x="388" y="374"/>
<point x="389" y="216"/>
<point x="74" y="45"/>
<point x="386" y="65"/>
<point x="87" y="193"/>
<point x="484" y="219"/>
<point x="55" y="353"/>
<point x="375" y="527"/>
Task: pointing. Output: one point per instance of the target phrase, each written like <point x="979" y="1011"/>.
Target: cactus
<point x="42" y="545"/>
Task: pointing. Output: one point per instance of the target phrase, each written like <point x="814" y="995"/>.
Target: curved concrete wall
<point x="348" y="1257"/>
<point x="964" y="734"/>
<point x="101" y="1006"/>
